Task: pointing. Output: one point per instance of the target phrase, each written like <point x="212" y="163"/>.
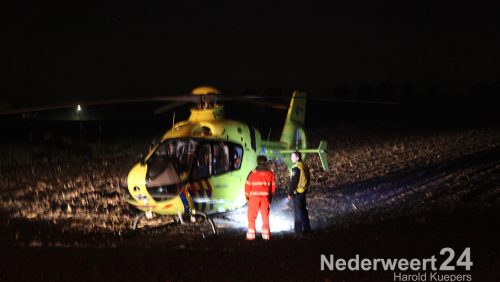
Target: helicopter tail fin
<point x="293" y="134"/>
<point x="322" y="155"/>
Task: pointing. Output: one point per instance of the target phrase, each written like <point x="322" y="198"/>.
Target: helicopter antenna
<point x="268" y="136"/>
<point x="173" y="120"/>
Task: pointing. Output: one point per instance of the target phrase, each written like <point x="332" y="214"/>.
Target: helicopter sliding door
<point x="215" y="158"/>
<point x="202" y="167"/>
<point x="210" y="178"/>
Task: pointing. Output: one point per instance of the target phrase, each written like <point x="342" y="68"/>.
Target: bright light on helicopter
<point x="78" y="108"/>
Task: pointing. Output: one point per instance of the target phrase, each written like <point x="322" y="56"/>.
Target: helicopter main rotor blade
<point x="275" y="106"/>
<point x="311" y="98"/>
<point x="326" y="99"/>
<point x="168" y="107"/>
<point x="256" y="100"/>
<point x="181" y="98"/>
<point x="354" y="101"/>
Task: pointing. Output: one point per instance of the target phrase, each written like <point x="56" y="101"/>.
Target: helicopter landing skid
<point x="208" y="220"/>
<point x="181" y="221"/>
<point x="137" y="218"/>
<point x="196" y="217"/>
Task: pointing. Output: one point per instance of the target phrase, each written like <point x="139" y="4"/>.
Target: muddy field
<point x="391" y="192"/>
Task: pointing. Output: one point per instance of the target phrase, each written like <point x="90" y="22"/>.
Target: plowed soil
<point x="390" y="193"/>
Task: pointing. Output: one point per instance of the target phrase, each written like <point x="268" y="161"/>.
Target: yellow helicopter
<point x="200" y="165"/>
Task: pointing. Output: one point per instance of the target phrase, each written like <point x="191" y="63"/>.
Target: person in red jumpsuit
<point x="259" y="190"/>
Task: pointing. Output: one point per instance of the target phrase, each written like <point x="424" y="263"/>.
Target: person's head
<point x="296" y="156"/>
<point x="262" y="160"/>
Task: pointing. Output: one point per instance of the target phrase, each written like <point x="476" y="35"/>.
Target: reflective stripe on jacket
<point x="260" y="183"/>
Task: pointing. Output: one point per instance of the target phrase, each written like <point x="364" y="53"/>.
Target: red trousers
<point x="256" y="203"/>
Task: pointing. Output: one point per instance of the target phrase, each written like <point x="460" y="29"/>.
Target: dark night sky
<point x="76" y="52"/>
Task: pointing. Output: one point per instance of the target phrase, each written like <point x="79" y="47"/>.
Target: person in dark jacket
<point x="299" y="182"/>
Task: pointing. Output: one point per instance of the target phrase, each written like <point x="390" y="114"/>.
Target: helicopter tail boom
<point x="293" y="137"/>
<point x="293" y="134"/>
<point x="321" y="151"/>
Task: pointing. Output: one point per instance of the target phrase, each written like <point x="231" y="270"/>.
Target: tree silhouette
<point x="408" y="93"/>
<point x="385" y="91"/>
<point x="434" y="93"/>
<point x="365" y="92"/>
<point x="479" y="90"/>
<point x="342" y="91"/>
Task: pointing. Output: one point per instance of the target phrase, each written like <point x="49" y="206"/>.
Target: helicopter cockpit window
<point x="177" y="160"/>
<point x="170" y="162"/>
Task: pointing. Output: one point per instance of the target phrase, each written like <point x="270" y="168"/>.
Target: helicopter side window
<point x="202" y="168"/>
<point x="221" y="158"/>
<point x="237" y="156"/>
<point x="214" y="158"/>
